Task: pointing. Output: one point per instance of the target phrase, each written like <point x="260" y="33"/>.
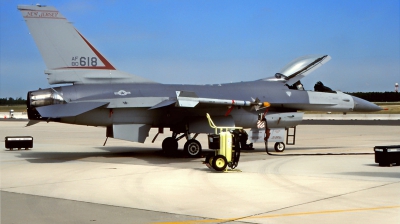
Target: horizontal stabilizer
<point x="92" y="76"/>
<point x="32" y="122"/>
<point x="129" y="132"/>
<point x="69" y="109"/>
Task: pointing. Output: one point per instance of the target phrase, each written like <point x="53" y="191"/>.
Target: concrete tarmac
<point x="70" y="177"/>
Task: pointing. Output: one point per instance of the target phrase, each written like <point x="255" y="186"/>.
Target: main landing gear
<point x="170" y="146"/>
<point x="192" y="147"/>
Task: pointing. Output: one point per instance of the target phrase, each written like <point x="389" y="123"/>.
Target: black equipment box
<point x="387" y="155"/>
<point x="213" y="141"/>
<point x="19" y="142"/>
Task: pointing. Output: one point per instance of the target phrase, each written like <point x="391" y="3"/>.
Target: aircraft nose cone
<point x="361" y="105"/>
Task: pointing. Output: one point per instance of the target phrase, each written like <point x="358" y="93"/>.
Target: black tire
<point x="192" y="148"/>
<point x="169" y="146"/>
<point x="279" y="147"/>
<point x="209" y="159"/>
<point x="219" y="163"/>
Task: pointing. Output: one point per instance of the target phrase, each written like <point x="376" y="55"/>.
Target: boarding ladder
<point x="291" y="134"/>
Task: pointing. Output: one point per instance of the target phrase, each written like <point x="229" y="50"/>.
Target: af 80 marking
<point x="84" y="61"/>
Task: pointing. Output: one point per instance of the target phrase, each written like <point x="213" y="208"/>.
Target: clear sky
<point x="208" y="41"/>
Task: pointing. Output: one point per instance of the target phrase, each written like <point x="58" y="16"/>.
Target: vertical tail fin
<point x="69" y="57"/>
<point x="59" y="43"/>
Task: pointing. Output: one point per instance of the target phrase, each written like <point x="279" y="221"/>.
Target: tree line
<point x="378" y="96"/>
<point x="369" y="96"/>
<point x="12" y="101"/>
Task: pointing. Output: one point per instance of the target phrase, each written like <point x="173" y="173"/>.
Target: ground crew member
<point x="267" y="133"/>
<point x="243" y="138"/>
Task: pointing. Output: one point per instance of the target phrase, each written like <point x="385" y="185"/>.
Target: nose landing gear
<point x="279" y="147"/>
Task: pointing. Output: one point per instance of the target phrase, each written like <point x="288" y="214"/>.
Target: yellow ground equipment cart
<point x="225" y="143"/>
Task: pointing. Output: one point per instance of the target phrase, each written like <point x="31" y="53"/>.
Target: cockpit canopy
<point x="299" y="68"/>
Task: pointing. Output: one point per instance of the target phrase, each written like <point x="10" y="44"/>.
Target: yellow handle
<point x="210" y="122"/>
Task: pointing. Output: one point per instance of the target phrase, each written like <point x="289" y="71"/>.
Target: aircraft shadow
<point x="110" y="154"/>
<point x="373" y="174"/>
<point x="133" y="155"/>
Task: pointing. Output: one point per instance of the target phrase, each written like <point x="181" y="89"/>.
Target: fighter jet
<point x="129" y="105"/>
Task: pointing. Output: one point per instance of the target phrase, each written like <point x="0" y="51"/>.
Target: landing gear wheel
<point x="219" y="163"/>
<point x="170" y="146"/>
<point x="192" y="148"/>
<point x="279" y="147"/>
